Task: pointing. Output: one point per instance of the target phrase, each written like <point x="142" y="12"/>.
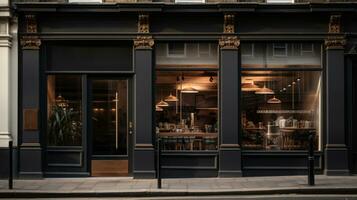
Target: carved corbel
<point x="335" y="24"/>
<point x="229" y="42"/>
<point x="228" y="26"/>
<point x="143" y="24"/>
<point x="30" y="42"/>
<point x="144" y="42"/>
<point x="335" y="40"/>
<point x="31" y="24"/>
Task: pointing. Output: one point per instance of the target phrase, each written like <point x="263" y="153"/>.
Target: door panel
<point x="109" y="126"/>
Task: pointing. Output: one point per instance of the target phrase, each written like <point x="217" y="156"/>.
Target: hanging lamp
<point x="249" y="87"/>
<point x="158" y="109"/>
<point x="189" y="90"/>
<point x="162" y="103"/>
<point x="61" y="102"/>
<point x="274" y="100"/>
<point x="264" y="90"/>
<point x="171" y="98"/>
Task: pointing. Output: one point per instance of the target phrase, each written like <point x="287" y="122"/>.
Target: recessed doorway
<point x="110" y="126"/>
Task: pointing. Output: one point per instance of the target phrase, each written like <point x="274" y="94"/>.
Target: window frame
<point x="321" y="69"/>
<point x="168" y="55"/>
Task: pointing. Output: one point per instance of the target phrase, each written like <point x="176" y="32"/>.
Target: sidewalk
<point x="128" y="187"/>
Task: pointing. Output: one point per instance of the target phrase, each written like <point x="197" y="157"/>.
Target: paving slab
<point x="129" y="187"/>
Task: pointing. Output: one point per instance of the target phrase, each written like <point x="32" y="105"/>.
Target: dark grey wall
<point x="87" y="23"/>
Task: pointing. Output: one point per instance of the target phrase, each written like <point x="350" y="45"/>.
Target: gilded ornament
<point x="335" y="42"/>
<point x="229" y="42"/>
<point x="335" y="24"/>
<point x="30" y="42"/>
<point x="228" y="24"/>
<point x="143" y="24"/>
<point x="31" y="24"/>
<point x="143" y="42"/>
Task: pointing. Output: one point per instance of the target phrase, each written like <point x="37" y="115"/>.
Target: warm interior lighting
<point x="162" y="104"/>
<point x="189" y="90"/>
<point x="274" y="100"/>
<point x="171" y="98"/>
<point x="158" y="109"/>
<point x="264" y="90"/>
<point x="61" y="102"/>
<point x="249" y="87"/>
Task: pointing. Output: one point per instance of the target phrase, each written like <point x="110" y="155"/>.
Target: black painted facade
<point x="64" y="30"/>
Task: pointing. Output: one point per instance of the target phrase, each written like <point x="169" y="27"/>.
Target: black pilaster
<point x="336" y="153"/>
<point x="229" y="151"/>
<point x="144" y="154"/>
<point x="30" y="159"/>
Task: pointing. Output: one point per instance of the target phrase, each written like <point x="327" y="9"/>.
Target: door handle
<point x="130" y="128"/>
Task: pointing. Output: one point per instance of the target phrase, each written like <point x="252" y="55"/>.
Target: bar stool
<point x="210" y="143"/>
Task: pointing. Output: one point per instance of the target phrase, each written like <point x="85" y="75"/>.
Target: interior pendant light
<point x="171" y="98"/>
<point x="249" y="87"/>
<point x="162" y="103"/>
<point x="264" y="90"/>
<point x="274" y="100"/>
<point x="189" y="90"/>
<point x="158" y="109"/>
<point x="61" y="102"/>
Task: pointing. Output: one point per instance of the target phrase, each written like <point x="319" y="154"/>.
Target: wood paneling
<point x="31" y="119"/>
<point x="110" y="168"/>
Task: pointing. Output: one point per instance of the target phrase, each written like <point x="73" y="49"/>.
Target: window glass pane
<point x="280" y="109"/>
<point x="64" y="110"/>
<point x="187" y="109"/>
<point x="281" y="55"/>
<point x="186" y="55"/>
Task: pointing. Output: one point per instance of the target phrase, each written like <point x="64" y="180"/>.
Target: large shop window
<point x="281" y="95"/>
<point x="64" y="105"/>
<point x="187" y="96"/>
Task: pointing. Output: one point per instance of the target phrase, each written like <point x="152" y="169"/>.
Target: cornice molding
<point x="229" y="42"/>
<point x="144" y="42"/>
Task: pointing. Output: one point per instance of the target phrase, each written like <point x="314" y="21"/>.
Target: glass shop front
<point x="281" y="100"/>
<point x="186" y="96"/>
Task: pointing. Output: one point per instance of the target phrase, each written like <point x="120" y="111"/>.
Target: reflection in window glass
<point x="187" y="109"/>
<point x="64" y="105"/>
<point x="280" y="109"/>
<point x="281" y="55"/>
<point x="186" y="55"/>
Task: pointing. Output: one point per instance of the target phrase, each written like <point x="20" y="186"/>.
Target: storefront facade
<point x="231" y="89"/>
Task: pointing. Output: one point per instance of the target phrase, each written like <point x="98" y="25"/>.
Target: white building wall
<point x="5" y="74"/>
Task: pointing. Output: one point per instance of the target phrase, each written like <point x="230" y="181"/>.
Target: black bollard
<point x="158" y="164"/>
<point x="10" y="166"/>
<point x="311" y="160"/>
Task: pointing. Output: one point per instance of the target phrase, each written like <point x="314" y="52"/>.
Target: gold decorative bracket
<point x="229" y="42"/>
<point x="30" y="42"/>
<point x="335" y="40"/>
<point x="228" y="26"/>
<point x="144" y="42"/>
<point x="143" y="24"/>
<point x="31" y="24"/>
<point x="335" y="24"/>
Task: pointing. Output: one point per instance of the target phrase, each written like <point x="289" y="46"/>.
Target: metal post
<point x="10" y="166"/>
<point x="311" y="159"/>
<point x="158" y="163"/>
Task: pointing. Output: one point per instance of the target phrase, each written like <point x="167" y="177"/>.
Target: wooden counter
<point x="188" y="134"/>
